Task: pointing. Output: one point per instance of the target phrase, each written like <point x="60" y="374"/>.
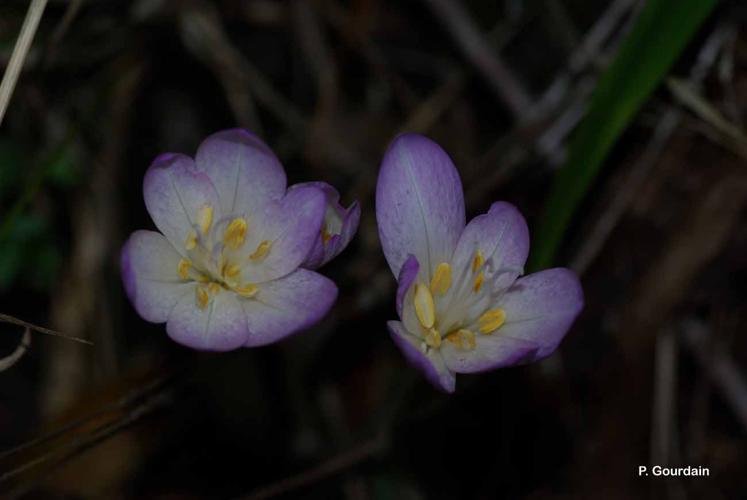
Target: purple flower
<point x="338" y="228"/>
<point x="226" y="269"/>
<point x="463" y="306"/>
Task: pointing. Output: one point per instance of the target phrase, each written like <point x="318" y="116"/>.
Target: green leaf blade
<point x="660" y="34"/>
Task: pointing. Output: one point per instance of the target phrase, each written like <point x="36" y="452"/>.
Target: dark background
<point x="651" y="373"/>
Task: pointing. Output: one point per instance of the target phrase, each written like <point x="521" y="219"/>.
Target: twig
<point x="475" y="48"/>
<point x="664" y="407"/>
<point x="720" y="368"/>
<point x="67" y="20"/>
<point x="317" y="52"/>
<point x="622" y="198"/>
<point x="78" y="446"/>
<point x="40" y="329"/>
<point x="122" y="403"/>
<point x="548" y="127"/>
<point x="589" y="52"/>
<point x="13" y="358"/>
<point x="204" y="36"/>
<point x="325" y="470"/>
<point x="725" y="132"/>
<point x="28" y="30"/>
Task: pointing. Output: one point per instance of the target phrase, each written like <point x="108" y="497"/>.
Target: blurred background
<point x="644" y="198"/>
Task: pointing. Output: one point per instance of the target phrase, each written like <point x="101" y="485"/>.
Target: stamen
<point x="214" y="288"/>
<point x="183" y="268"/>
<point x="202" y="296"/>
<point x="477" y="261"/>
<point x="433" y="338"/>
<point x="205" y="218"/>
<point x="235" y="234"/>
<point x="462" y="339"/>
<point x="441" y="279"/>
<point x="478" y="281"/>
<point x="191" y="242"/>
<point x="262" y="250"/>
<point x="325" y="235"/>
<point x="491" y="320"/>
<point x="247" y="290"/>
<point x="424" y="307"/>
<point x="231" y="271"/>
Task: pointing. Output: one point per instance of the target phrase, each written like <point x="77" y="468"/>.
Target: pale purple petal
<point x="292" y="226"/>
<point x="541" y="307"/>
<point x="492" y="351"/>
<point x="288" y="305"/>
<point x="407" y="275"/>
<point x="502" y="237"/>
<point x="419" y="203"/>
<point x="221" y="326"/>
<point x="175" y="192"/>
<point x="339" y="222"/>
<point x="245" y="171"/>
<point x="432" y="365"/>
<point x="149" y="271"/>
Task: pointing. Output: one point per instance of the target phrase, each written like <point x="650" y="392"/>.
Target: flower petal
<point x="245" y="171"/>
<point x="432" y="364"/>
<point x="501" y="235"/>
<point x="292" y="225"/>
<point x="541" y="307"/>
<point x="149" y="271"/>
<point x="288" y="305"/>
<point x="491" y="351"/>
<point x="407" y="275"/>
<point x="419" y="203"/>
<point x="221" y="326"/>
<point x="175" y="192"/>
<point x="340" y="224"/>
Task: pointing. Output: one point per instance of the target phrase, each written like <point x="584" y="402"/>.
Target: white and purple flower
<point x="463" y="306"/>
<point x="231" y="264"/>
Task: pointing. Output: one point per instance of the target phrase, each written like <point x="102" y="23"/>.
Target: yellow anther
<point x="491" y="320"/>
<point x="478" y="281"/>
<point x="477" y="261"/>
<point x="235" y="234"/>
<point x="433" y="338"/>
<point x="462" y="339"/>
<point x="214" y="288"/>
<point x="325" y="235"/>
<point x="262" y="250"/>
<point x="247" y="290"/>
<point x="191" y="242"/>
<point x="183" y="268"/>
<point x="205" y="218"/>
<point x="202" y="296"/>
<point x="441" y="279"/>
<point x="424" y="307"/>
<point x="231" y="271"/>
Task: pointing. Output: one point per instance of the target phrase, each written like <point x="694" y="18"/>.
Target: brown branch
<point x="17" y="354"/>
<point x="40" y="329"/>
<point x="78" y="446"/>
<point x="637" y="174"/>
<point x="477" y="50"/>
<point x="21" y="49"/>
<point x="125" y="401"/>
<point x="721" y="369"/>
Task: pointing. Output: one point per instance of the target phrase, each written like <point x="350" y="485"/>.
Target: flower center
<point x="455" y="309"/>
<point x="217" y="257"/>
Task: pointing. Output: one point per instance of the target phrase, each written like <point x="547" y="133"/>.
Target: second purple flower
<point x="463" y="306"/>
